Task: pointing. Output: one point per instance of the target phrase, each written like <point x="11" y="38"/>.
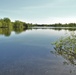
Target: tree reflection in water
<point x="7" y="31"/>
<point x="66" y="47"/>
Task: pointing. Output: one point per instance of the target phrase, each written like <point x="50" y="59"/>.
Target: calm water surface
<point x="29" y="53"/>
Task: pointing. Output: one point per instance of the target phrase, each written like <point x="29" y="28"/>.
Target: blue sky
<point x="39" y="11"/>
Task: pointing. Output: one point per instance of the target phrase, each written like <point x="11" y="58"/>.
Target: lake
<point x="31" y="53"/>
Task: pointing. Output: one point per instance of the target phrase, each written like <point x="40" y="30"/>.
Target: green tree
<point x="0" y="24"/>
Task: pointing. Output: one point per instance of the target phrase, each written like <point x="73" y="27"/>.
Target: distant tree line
<point x="56" y="25"/>
<point x="7" y="23"/>
<point x="7" y="26"/>
<point x="64" y="25"/>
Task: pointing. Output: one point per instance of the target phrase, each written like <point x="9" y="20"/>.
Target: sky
<point x="39" y="11"/>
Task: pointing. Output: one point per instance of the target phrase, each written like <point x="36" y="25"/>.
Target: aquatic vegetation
<point x="66" y="47"/>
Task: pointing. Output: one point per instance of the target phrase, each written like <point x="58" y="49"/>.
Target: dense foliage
<point x="6" y="26"/>
<point x="66" y="47"/>
<point x="6" y="23"/>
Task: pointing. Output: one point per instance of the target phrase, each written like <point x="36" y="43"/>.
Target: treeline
<point x="64" y="25"/>
<point x="55" y="25"/>
<point x="6" y="23"/>
<point x="7" y="26"/>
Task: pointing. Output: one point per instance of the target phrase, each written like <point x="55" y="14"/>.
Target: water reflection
<point x="29" y="53"/>
<point x="66" y="47"/>
<point x="7" y="31"/>
<point x="56" y="28"/>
